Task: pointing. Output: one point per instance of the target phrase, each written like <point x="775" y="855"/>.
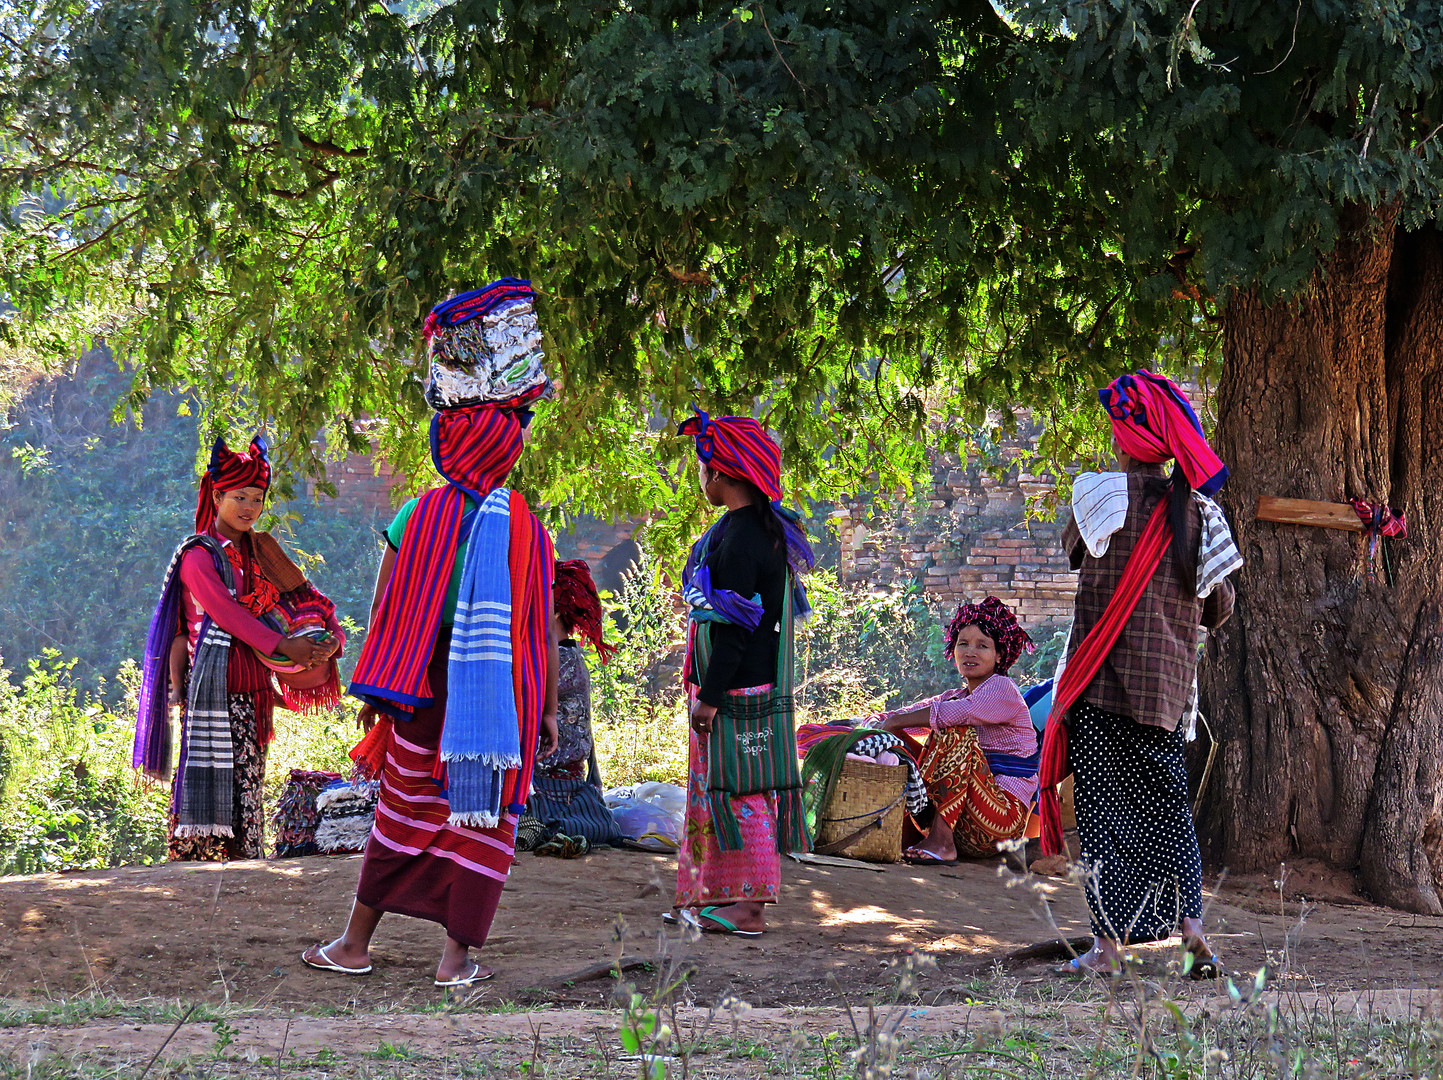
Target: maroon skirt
<point x="416" y="863"/>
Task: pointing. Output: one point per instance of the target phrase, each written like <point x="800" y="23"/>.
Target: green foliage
<point x="868" y="222"/>
<point x="1233" y="135"/>
<point x="68" y="796"/>
<point x="314" y="741"/>
<point x="816" y="211"/>
<point x="92" y="518"/>
<point x="638" y="712"/>
<point x="863" y="651"/>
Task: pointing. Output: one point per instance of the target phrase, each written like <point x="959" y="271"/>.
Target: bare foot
<point x="467" y="971"/>
<point x="744" y="916"/>
<point x="339" y="954"/>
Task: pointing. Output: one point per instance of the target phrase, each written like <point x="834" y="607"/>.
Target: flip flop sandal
<point x="468" y="980"/>
<point x="325" y="963"/>
<point x="723" y="924"/>
<point x="1075" y="968"/>
<point x="923" y="857"/>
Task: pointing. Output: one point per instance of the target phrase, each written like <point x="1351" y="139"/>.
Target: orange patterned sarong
<point x="966" y="794"/>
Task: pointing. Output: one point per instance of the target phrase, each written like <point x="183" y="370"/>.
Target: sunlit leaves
<point x="877" y="226"/>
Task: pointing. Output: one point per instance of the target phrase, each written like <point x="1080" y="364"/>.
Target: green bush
<point x="313" y="741"/>
<point x="638" y="712"/>
<point x="864" y="650"/>
<point x="68" y="796"/>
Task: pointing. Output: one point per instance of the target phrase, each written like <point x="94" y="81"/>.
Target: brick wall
<point x="964" y="537"/>
<point x="360" y="486"/>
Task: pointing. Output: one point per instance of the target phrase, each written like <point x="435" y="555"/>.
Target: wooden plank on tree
<point x="1320" y="515"/>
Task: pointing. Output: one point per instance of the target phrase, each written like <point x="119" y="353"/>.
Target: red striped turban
<point x="1153" y="421"/>
<point x="230" y="471"/>
<point x="737" y="446"/>
<point x="475" y="447"/>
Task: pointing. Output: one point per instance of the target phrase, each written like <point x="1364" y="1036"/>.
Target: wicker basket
<point x="864" y="818"/>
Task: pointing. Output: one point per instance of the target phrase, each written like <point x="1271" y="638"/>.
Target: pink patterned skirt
<point x="704" y="873"/>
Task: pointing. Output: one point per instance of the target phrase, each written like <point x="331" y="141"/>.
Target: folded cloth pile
<point x="886" y="757"/>
<point x="348" y="809"/>
<point x="883" y="744"/>
<point x="485" y="347"/>
<point x="296" y="816"/>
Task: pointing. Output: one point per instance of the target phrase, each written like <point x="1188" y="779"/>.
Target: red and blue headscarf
<point x="1153" y="421"/>
<point x="230" y="471"/>
<point x="739" y="447"/>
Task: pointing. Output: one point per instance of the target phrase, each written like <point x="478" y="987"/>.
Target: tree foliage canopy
<point x="864" y="219"/>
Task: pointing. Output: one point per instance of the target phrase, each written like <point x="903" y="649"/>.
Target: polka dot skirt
<point x="1135" y="824"/>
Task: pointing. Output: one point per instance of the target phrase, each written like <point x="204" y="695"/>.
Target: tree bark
<point x="1326" y="690"/>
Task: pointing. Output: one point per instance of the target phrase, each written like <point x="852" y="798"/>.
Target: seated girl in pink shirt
<point x="979" y="760"/>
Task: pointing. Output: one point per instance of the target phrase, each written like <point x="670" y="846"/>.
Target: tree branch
<point x="319" y="146"/>
<point x="70" y="253"/>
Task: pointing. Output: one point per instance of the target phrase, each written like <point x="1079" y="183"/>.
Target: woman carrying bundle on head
<point x="1153" y="553"/>
<point x="565" y="815"/>
<point x="741" y="581"/>
<point x="979" y="761"/>
<point x="233" y="610"/>
<point x="458" y="672"/>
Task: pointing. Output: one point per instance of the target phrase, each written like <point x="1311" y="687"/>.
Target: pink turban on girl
<point x="1154" y="421"/>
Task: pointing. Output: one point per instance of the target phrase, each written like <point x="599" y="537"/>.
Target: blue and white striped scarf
<point x="481" y="738"/>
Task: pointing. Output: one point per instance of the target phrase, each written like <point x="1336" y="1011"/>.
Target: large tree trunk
<point x="1326" y="690"/>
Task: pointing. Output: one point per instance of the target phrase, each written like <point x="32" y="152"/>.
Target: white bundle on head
<point x="492" y="356"/>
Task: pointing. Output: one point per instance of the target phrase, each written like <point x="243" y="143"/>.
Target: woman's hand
<point x="702" y="716"/>
<point x="305" y="651"/>
<point x="898" y="722"/>
<point x="366" y="718"/>
<point x="334" y="646"/>
<point x="550" y="736"/>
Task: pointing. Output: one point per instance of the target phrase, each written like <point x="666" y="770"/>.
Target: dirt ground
<point x="231" y="934"/>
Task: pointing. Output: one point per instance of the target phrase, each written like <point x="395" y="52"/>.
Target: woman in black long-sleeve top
<point x="749" y="561"/>
<point x="743" y="791"/>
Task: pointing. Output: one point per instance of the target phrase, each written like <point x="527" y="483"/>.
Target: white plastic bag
<point x="651" y="813"/>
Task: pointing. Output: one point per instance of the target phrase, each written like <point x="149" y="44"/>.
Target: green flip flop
<point x="725" y="924"/>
